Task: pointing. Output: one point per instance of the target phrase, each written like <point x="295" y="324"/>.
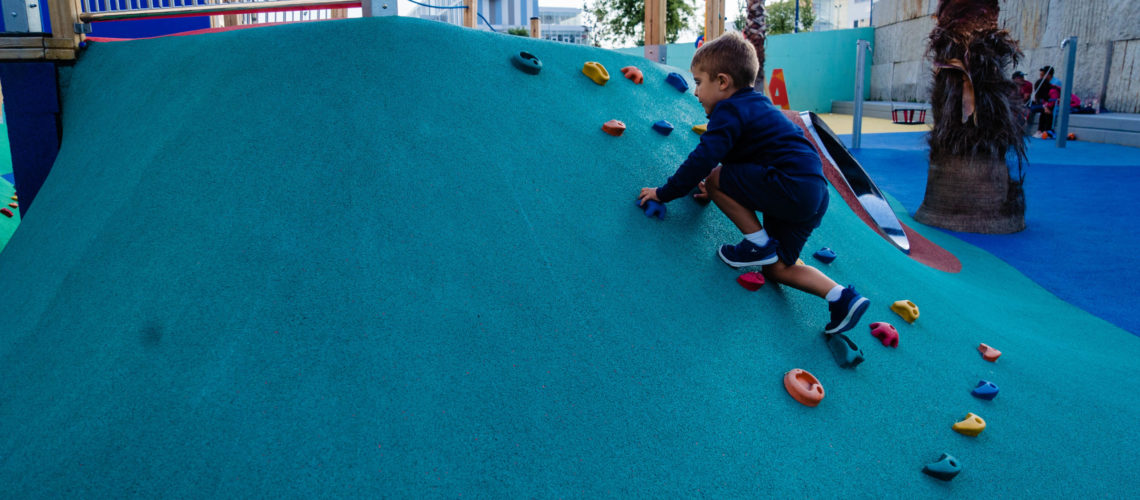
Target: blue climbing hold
<point x="825" y="255"/>
<point x="945" y="468"/>
<point x="652" y="208"/>
<point x="985" y="390"/>
<point x="677" y="81"/>
<point x="663" y="127"/>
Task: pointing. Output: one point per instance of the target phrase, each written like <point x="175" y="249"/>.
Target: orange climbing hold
<point x="596" y="72"/>
<point x="700" y="129"/>
<point x="614" y="127"/>
<point x="633" y="74"/>
<point x="13" y="204"/>
<point x="989" y="353"/>
<point x="804" y="387"/>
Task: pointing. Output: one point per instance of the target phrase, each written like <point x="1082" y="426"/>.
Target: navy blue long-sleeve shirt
<point x="745" y="129"/>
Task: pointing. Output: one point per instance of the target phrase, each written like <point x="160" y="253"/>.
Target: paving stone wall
<point x="1108" y="46"/>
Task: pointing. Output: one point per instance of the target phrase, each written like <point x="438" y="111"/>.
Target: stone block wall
<point x="1108" y="47"/>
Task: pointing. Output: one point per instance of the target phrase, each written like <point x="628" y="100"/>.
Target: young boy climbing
<point x="765" y="165"/>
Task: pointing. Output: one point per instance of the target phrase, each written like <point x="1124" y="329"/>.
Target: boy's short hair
<point x="730" y="54"/>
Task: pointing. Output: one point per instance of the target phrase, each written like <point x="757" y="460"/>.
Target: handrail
<point x="215" y="9"/>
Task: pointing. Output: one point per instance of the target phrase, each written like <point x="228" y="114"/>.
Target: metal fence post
<point x="1061" y="109"/>
<point x="861" y="49"/>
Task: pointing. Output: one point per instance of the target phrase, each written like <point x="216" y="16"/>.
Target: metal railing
<point x="114" y="10"/>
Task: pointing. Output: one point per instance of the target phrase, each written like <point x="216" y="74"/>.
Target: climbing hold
<point x="6" y="212"/>
<point x="906" y="309"/>
<point x="1072" y="136"/>
<point x="972" y="425"/>
<point x="803" y="386"/>
<point x="825" y="255"/>
<point x="989" y="353"/>
<point x="527" y="62"/>
<point x="886" y="333"/>
<point x="663" y="127"/>
<point x="945" y="468"/>
<point x="677" y="81"/>
<point x="14" y="198"/>
<point x="13" y="204"/>
<point x="633" y="74"/>
<point x="596" y="72"/>
<point x="985" y="390"/>
<point x="614" y="127"/>
<point x="652" y="208"/>
<point x="800" y="262"/>
<point x="845" y="352"/>
<point x="751" y="280"/>
<point x="701" y="129"/>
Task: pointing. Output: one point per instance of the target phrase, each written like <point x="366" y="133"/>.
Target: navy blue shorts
<point x="791" y="206"/>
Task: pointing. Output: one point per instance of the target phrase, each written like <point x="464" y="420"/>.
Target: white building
<point x="841" y="14"/>
<point x="562" y="24"/>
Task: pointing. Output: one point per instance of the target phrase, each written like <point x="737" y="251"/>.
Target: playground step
<point x="1105" y="128"/>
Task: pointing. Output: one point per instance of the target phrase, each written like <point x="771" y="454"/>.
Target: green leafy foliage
<point x="622" y="21"/>
<point x="782" y="15"/>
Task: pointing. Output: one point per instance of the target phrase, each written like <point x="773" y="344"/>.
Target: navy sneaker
<point x="846" y="311"/>
<point x="748" y="254"/>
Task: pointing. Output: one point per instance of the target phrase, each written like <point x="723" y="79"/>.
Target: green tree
<point x="782" y="15"/>
<point x="518" y="31"/>
<point x="619" y="21"/>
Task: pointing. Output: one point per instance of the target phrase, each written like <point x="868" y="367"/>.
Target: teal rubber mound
<point x="371" y="258"/>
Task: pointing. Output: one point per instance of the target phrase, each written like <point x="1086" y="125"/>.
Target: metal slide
<point x="857" y="179"/>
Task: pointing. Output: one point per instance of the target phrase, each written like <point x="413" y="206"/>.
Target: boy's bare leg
<point x="801" y="277"/>
<point x="744" y="218"/>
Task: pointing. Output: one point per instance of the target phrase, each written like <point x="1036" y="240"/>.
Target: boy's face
<point x="711" y="89"/>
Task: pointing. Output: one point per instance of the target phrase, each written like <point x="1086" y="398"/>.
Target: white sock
<point x="759" y="238"/>
<point x="834" y="293"/>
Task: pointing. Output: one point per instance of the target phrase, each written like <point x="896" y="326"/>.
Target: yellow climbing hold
<point x="972" y="425"/>
<point x="596" y="72"/>
<point x="906" y="309"/>
<point x="701" y="129"/>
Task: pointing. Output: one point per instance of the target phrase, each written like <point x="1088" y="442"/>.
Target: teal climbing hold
<point x="945" y="468"/>
<point x="846" y="353"/>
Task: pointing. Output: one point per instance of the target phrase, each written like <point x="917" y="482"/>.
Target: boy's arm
<point x="723" y="129"/>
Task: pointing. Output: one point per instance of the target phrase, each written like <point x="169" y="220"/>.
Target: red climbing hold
<point x="751" y="280"/>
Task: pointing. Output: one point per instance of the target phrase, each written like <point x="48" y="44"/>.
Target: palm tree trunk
<point x="978" y="118"/>
<point x="973" y="194"/>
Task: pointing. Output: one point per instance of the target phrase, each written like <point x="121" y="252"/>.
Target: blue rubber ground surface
<point x="439" y="287"/>
<point x="1083" y="237"/>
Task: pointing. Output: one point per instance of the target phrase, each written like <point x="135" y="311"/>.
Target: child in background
<point x="766" y="166"/>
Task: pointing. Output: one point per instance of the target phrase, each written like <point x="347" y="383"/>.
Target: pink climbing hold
<point x="751" y="280"/>
<point x="6" y="212"/>
<point x="886" y="333"/>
